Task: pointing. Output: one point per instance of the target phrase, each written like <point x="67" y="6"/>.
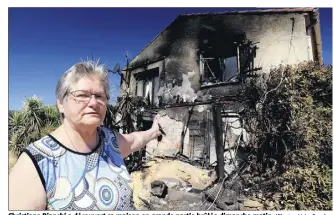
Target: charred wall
<point x="189" y="131"/>
<point x="279" y="38"/>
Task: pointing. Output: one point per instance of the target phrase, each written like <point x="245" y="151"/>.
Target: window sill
<point x="210" y="85"/>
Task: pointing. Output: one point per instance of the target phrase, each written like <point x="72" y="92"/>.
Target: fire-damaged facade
<point x="191" y="73"/>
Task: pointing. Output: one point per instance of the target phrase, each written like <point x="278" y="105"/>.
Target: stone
<point x="252" y="204"/>
<point x="176" y="195"/>
<point x="158" y="201"/>
<point x="229" y="197"/>
<point x="163" y="202"/>
<point x="159" y="189"/>
<point x="173" y="182"/>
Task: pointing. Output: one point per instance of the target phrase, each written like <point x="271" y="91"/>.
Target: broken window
<point x="219" y="67"/>
<point x="229" y="63"/>
<point x="148" y="85"/>
<point x="247" y="54"/>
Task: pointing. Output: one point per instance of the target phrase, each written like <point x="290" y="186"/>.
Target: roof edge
<point x="280" y="10"/>
<point x="261" y="11"/>
<point x="165" y="29"/>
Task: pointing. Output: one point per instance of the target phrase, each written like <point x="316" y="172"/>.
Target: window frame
<point x="220" y="82"/>
<point x="148" y="75"/>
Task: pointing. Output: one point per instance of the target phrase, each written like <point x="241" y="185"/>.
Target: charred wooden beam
<point x="183" y="134"/>
<point x="217" y="124"/>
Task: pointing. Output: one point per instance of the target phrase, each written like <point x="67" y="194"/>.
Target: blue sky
<point x="45" y="42"/>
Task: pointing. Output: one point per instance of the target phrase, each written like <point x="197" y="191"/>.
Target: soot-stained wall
<point x="280" y="38"/>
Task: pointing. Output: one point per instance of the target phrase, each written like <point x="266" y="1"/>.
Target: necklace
<point x="97" y="139"/>
<point x="98" y="160"/>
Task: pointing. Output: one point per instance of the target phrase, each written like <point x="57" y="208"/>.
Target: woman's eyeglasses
<point x="83" y="96"/>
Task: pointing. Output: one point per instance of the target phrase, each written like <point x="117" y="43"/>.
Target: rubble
<point x="158" y="188"/>
<point x="173" y="182"/>
<point x="225" y="199"/>
<point x="175" y="185"/>
<point x="189" y="178"/>
<point x="252" y="204"/>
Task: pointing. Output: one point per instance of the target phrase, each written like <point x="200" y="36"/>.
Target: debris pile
<point x="176" y="185"/>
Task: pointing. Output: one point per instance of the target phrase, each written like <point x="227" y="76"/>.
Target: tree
<point x="30" y="123"/>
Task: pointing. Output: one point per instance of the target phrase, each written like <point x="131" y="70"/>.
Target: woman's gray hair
<point x="78" y="71"/>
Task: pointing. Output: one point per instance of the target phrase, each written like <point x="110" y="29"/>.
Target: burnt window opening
<point x="220" y="67"/>
<point x="147" y="84"/>
<point x="231" y="64"/>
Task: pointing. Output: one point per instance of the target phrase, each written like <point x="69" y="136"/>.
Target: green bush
<point x="290" y="117"/>
<point x="30" y="123"/>
<point x="310" y="187"/>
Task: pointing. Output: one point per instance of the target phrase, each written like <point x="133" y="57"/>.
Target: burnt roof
<point x="262" y="11"/>
<point x="249" y="12"/>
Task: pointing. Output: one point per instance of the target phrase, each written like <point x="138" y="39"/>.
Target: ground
<point x="159" y="169"/>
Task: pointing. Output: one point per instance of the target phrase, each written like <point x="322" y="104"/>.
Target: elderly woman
<point x="79" y="166"/>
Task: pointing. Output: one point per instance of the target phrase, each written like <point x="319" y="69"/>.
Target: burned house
<point x="191" y="73"/>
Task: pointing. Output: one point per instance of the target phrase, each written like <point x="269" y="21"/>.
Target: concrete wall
<point x="172" y="122"/>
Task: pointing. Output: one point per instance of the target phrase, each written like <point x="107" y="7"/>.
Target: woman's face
<point x="82" y="109"/>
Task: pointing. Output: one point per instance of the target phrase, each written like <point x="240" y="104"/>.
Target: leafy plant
<point x="30" y="123"/>
<point x="290" y="120"/>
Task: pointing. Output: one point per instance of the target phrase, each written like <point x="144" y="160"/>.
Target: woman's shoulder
<point x="110" y="137"/>
<point x="108" y="131"/>
<point x="46" y="146"/>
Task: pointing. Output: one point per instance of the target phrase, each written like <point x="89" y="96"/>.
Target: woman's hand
<point x="129" y="143"/>
<point x="156" y="128"/>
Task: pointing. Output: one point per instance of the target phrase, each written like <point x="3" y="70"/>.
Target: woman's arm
<point x="26" y="191"/>
<point x="129" y="143"/>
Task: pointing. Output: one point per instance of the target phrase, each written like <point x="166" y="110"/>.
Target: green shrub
<point x="290" y="117"/>
<point x="310" y="187"/>
<point x="30" y="123"/>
